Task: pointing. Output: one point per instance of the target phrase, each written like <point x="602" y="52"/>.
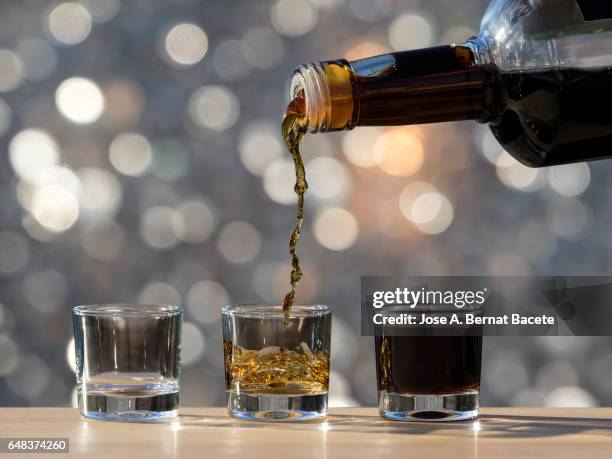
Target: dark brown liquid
<point x="421" y="86"/>
<point x="428" y="364"/>
<point x="293" y="130"/>
<point x="555" y="116"/>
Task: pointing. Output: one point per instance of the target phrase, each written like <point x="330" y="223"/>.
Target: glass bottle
<point x="539" y="73"/>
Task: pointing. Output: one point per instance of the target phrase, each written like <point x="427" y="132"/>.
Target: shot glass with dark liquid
<point x="428" y="378"/>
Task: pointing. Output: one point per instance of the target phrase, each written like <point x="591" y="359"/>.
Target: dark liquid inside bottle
<point x="542" y="117"/>
<point x="428" y="364"/>
<point x="556" y="116"/>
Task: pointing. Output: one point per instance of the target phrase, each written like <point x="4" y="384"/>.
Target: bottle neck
<point x="443" y="83"/>
<point x="328" y="90"/>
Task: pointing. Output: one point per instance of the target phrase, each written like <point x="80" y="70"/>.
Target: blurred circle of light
<point x="335" y="228"/>
<point x="279" y="180"/>
<point x="259" y="145"/>
<point x="231" y="61"/>
<point x="46" y="290"/>
<point x="103" y="239"/>
<point x="69" y="23"/>
<point x="71" y="356"/>
<point x="55" y="208"/>
<point x="9" y="359"/>
<point x="170" y="159"/>
<point x="101" y="192"/>
<point x="410" y="31"/>
<point x="239" y="242"/>
<point x="370" y="10"/>
<point x="515" y="175"/>
<point x="59" y="176"/>
<point x="198" y="221"/>
<point x="214" y="107"/>
<point x="489" y="146"/>
<point x="30" y="377"/>
<point x="101" y="10"/>
<point x="158" y="227"/>
<point x="193" y="344"/>
<point x="36" y="230"/>
<point x="39" y="58"/>
<point x="429" y="210"/>
<point x="399" y="151"/>
<point x="124" y="103"/>
<point x="80" y="100"/>
<point x="32" y="151"/>
<point x="328" y="178"/>
<point x="365" y="49"/>
<point x="130" y="153"/>
<point x="570" y="397"/>
<point x="570" y="180"/>
<point x="159" y="293"/>
<point x="569" y="219"/>
<point x="186" y="44"/>
<point x="292" y="18"/>
<point x="425" y="208"/>
<point x="11" y="71"/>
<point x="5" y="117"/>
<point x="358" y="146"/>
<point x="556" y="373"/>
<point x="263" y="48"/>
<point x="457" y="34"/>
<point x="204" y="300"/>
<point x="14" y="252"/>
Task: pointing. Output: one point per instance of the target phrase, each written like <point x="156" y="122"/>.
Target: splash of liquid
<point x="293" y="130"/>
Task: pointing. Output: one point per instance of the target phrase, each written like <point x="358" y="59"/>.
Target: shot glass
<point x="276" y="365"/>
<point x="127" y="360"/>
<point x="428" y="378"/>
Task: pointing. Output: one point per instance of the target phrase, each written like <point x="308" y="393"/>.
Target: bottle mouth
<point x="310" y="81"/>
<point x="327" y="88"/>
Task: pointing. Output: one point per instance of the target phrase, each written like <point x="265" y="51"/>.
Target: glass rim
<point x="127" y="310"/>
<point x="275" y="310"/>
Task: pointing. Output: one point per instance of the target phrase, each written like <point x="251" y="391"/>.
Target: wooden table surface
<point x="347" y="432"/>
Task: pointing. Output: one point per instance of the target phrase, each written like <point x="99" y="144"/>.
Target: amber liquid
<point x="428" y="364"/>
<point x="276" y="370"/>
<point x="293" y="130"/>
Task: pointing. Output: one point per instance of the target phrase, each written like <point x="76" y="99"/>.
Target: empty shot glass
<point x="127" y="360"/>
<point x="276" y="365"/>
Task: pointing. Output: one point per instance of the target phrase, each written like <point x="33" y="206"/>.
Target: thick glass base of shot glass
<point x="276" y="407"/>
<point x="129" y="403"/>
<point x="428" y="407"/>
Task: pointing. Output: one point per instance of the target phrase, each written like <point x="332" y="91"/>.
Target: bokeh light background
<point x="143" y="164"/>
